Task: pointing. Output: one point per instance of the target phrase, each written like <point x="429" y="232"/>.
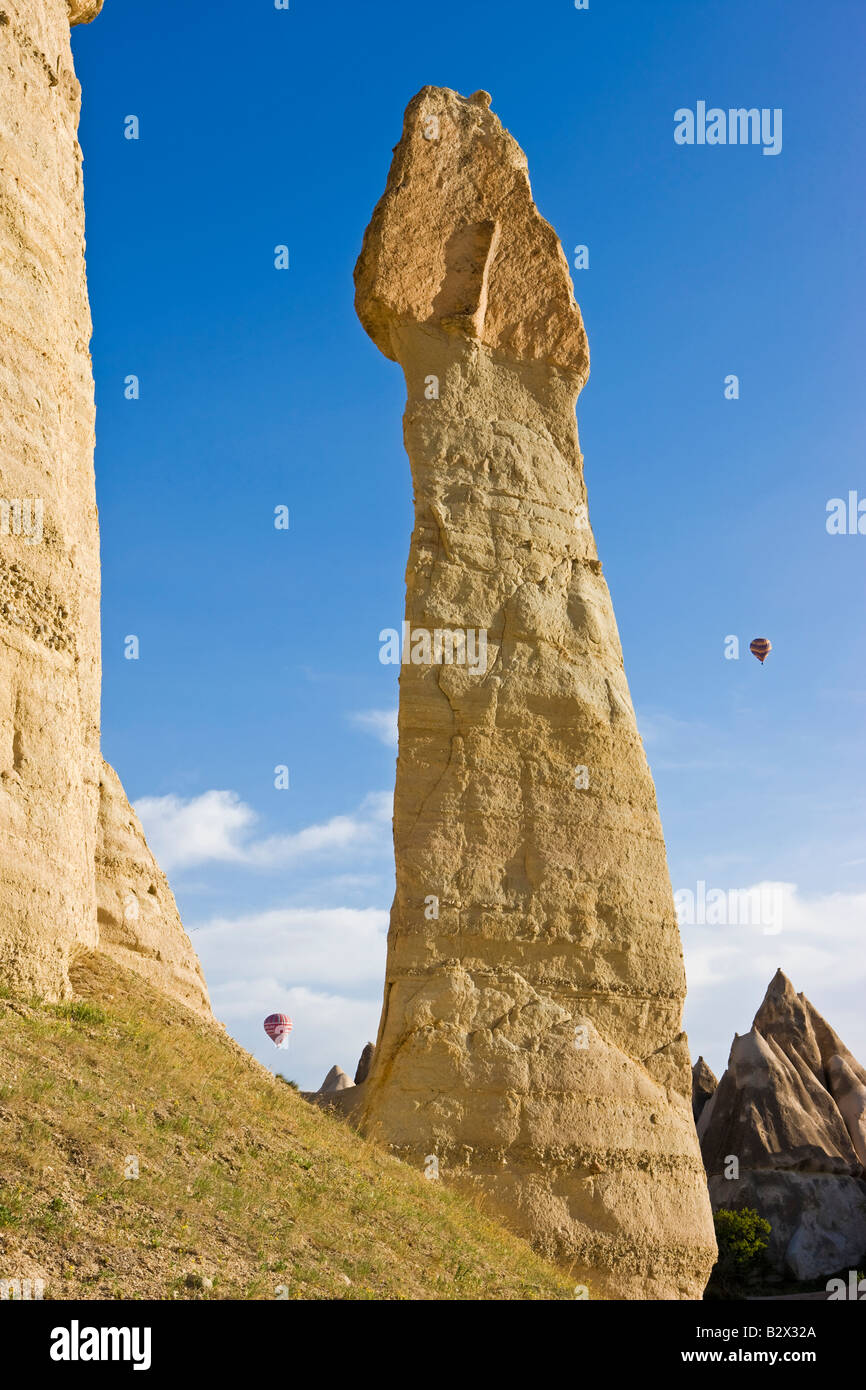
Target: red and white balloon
<point x="278" y="1027"/>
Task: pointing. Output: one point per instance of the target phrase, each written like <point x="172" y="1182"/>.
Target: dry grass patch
<point x="243" y="1189"/>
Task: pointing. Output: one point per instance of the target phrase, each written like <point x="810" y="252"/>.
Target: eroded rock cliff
<point x="530" y="1037"/>
<point x="51" y="768"/>
<point x="139" y="924"/>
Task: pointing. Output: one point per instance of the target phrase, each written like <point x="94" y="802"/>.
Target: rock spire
<point x="785" y="1133"/>
<point x="531" y="1030"/>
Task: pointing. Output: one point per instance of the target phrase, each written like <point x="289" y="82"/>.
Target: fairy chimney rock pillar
<point x="530" y="1036"/>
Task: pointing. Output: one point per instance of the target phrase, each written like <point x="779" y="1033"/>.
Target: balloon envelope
<point x="278" y="1027"/>
<point x="761" y="648"/>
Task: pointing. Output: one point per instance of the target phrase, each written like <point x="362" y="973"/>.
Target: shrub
<point x="742" y="1238"/>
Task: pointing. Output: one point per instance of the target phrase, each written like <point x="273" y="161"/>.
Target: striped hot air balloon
<point x="278" y="1027"/>
<point x="761" y="648"/>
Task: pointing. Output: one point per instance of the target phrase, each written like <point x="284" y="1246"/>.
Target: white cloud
<point x="328" y="1028"/>
<point x="325" y="967"/>
<point x="382" y="723"/>
<point x="207" y="827"/>
<point x="820" y="949"/>
<point x="217" y="827"/>
<point x="336" y="948"/>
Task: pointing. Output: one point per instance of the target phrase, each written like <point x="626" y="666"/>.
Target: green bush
<point x="742" y="1238"/>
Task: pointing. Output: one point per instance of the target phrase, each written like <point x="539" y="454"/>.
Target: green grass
<point x="80" y="1012"/>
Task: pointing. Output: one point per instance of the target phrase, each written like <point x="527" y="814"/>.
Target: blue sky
<point x="259" y="647"/>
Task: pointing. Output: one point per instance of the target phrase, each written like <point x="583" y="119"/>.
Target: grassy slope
<point x="241" y="1181"/>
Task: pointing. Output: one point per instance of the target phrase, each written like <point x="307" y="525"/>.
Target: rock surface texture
<point x="139" y="924"/>
<point x="530" y="1035"/>
<point x="51" y="769"/>
<point x="82" y="11"/>
<point x="703" y="1084"/>
<point x="791" y="1108"/>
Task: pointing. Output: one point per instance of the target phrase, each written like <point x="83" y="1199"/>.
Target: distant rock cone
<point x="336" y="1080"/>
<point x="703" y="1085"/>
<point x="530" y="1036"/>
<point x="75" y="872"/>
<point x="788" y="1120"/>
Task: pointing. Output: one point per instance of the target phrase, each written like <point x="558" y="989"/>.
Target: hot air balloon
<point x="761" y="648"/>
<point x="278" y="1027"/>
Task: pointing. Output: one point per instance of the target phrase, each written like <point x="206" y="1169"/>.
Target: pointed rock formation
<point x="790" y="1110"/>
<point x="703" y="1084"/>
<point x="530" y="1035"/>
<point x="362" y="1070"/>
<point x="790" y="1021"/>
<point x="336" y="1080"/>
<point x="53" y="790"/>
